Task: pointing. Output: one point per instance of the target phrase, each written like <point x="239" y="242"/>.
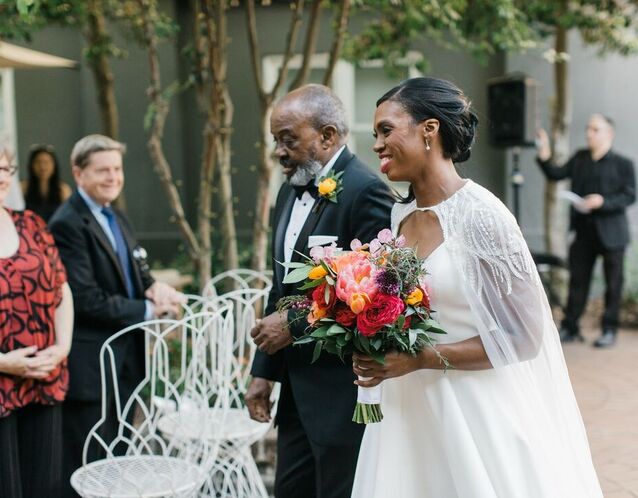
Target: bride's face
<point x="399" y="142"/>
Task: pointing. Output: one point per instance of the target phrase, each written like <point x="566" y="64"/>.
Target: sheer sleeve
<point x="504" y="291"/>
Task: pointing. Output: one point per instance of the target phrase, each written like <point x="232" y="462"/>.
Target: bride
<point x="503" y="423"/>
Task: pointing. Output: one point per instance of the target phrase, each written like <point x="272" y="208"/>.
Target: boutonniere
<point x="330" y="186"/>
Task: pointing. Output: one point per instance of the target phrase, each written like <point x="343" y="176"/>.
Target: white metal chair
<point x="239" y="278"/>
<point x="169" y="450"/>
<point x="235" y="473"/>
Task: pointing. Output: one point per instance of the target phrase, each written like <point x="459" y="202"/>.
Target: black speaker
<point x="511" y="104"/>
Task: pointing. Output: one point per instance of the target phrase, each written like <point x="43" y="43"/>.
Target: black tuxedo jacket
<point x="102" y="306"/>
<point x="612" y="177"/>
<point x="323" y="392"/>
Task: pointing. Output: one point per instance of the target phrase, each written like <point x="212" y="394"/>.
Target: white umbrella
<point x="13" y="56"/>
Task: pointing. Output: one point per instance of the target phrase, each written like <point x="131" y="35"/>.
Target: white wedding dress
<point x="513" y="431"/>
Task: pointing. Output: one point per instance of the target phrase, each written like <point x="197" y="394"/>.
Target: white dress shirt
<point x="301" y="209"/>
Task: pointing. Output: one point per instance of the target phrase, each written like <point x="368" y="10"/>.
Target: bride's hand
<point x="396" y="365"/>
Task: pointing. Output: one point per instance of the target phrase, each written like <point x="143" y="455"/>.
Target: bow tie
<point x="311" y="188"/>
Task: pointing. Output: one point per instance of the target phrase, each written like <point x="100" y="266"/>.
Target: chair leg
<point x="235" y="475"/>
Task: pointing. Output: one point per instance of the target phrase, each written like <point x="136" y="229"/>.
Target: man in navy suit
<point x="318" y="444"/>
<point x="112" y="289"/>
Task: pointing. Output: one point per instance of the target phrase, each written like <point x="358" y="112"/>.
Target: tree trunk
<point x="561" y="119"/>
<point x="97" y="39"/>
<point x="262" y="204"/>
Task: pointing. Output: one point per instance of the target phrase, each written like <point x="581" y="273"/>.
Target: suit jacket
<point x="102" y="305"/>
<point x="615" y="181"/>
<point x="323" y="392"/>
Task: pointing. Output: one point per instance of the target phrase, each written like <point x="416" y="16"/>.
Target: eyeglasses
<point x="8" y="170"/>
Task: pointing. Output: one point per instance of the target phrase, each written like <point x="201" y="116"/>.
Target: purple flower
<point x="385" y="236"/>
<point x="388" y="282"/>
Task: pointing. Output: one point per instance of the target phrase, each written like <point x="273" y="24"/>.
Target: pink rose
<point x="383" y="310"/>
<point x="400" y="242"/>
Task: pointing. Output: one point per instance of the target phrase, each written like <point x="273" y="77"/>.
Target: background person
<point x="43" y="190"/>
<point x="606" y="181"/>
<point x="36" y="323"/>
<point x="112" y="290"/>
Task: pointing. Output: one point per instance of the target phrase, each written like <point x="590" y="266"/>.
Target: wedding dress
<point x="513" y="431"/>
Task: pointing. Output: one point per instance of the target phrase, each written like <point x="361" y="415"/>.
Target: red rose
<point x="407" y="323"/>
<point x="319" y="296"/>
<point x="425" y="302"/>
<point x="345" y="316"/>
<point x="383" y="309"/>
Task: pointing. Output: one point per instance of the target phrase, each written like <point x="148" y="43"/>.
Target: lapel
<point x="280" y="235"/>
<point x="97" y="231"/>
<point x="319" y="207"/>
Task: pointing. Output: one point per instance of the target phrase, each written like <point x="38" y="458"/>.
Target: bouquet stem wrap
<point x="368" y="409"/>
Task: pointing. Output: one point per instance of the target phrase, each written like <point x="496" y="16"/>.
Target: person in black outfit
<point x="606" y="181"/>
<point x="112" y="289"/>
<point x="44" y="191"/>
<point x="318" y="444"/>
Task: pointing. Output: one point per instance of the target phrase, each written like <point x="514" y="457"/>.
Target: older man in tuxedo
<point x="111" y="285"/>
<point x="318" y="444"/>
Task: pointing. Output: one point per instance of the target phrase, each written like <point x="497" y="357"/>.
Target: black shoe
<point x="567" y="335"/>
<point x="606" y="340"/>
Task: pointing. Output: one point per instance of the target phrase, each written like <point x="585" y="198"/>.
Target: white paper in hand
<point x="576" y="200"/>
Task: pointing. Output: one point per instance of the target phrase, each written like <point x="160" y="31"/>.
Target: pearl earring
<point x="427" y="144"/>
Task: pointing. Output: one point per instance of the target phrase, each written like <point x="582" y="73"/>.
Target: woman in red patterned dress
<point x="36" y="324"/>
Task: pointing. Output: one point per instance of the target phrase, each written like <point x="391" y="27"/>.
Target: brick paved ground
<point x="606" y="386"/>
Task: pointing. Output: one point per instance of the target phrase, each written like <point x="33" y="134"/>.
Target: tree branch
<point x="161" y="165"/>
<point x="291" y="41"/>
<point x="309" y="47"/>
<point x="337" y="44"/>
<point x="255" y="53"/>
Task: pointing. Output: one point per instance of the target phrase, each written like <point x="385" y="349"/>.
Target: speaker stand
<point x="516" y="179"/>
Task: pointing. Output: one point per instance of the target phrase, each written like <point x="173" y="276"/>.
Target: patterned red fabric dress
<point x="30" y="290"/>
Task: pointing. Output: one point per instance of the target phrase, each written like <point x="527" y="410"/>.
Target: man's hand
<point x="272" y="333"/>
<point x="542" y="145"/>
<point x="165" y="299"/>
<point x="593" y="201"/>
<point x="258" y="399"/>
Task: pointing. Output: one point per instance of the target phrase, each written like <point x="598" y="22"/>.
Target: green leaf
<point x="292" y="264"/>
<point x="297" y="275"/>
<point x="336" y="329"/>
<point x="412" y="334"/>
<point x="317" y="351"/>
<point x="304" y="340"/>
<point x="311" y="284"/>
<point x="320" y="333"/>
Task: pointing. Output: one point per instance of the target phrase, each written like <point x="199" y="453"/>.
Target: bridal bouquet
<point x="371" y="299"/>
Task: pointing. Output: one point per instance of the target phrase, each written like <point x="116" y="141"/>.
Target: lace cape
<point x="514" y="321"/>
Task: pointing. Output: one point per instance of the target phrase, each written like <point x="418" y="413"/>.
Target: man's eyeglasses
<point x="8" y="170"/>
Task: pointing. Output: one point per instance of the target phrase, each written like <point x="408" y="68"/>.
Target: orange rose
<point x="317" y="272"/>
<point x="327" y="186"/>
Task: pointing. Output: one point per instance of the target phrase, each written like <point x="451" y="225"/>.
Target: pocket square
<point x="321" y="240"/>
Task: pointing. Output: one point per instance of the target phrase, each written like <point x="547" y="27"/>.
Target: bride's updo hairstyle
<point x="427" y="98"/>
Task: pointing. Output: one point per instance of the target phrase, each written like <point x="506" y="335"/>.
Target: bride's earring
<point x="427" y="144"/>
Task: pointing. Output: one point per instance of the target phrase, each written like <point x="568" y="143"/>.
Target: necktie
<point x="120" y="249"/>
<point x="310" y="187"/>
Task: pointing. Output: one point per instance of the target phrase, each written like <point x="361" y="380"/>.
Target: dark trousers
<point x="306" y="469"/>
<point x="31" y="452"/>
<point x="582" y="256"/>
